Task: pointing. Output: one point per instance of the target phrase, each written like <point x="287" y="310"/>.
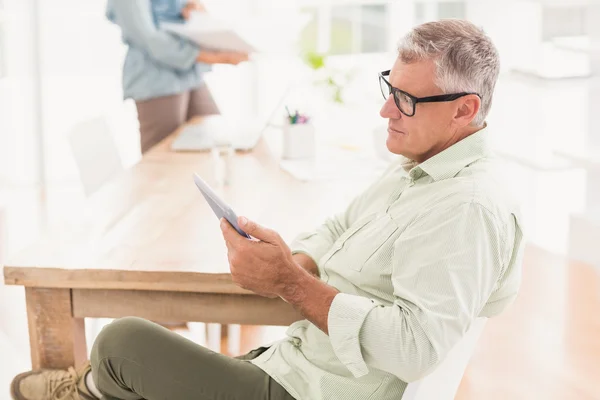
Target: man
<point x="387" y="287"/>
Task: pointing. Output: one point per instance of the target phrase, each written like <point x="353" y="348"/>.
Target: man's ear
<point x="467" y="110"/>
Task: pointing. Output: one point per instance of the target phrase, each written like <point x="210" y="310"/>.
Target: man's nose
<point x="389" y="109"/>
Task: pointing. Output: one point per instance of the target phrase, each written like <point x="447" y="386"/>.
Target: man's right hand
<point x="221" y="57"/>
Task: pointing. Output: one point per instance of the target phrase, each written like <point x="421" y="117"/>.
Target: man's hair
<point x="466" y="60"/>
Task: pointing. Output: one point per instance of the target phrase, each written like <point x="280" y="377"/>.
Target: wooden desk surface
<point x="150" y="229"/>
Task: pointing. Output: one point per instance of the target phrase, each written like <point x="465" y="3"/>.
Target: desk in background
<point x="148" y="245"/>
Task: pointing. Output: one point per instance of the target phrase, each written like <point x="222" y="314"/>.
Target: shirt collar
<point x="451" y="161"/>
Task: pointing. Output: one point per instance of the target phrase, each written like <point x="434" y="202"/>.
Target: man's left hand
<point x="263" y="265"/>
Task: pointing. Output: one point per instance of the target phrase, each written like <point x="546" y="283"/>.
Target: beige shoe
<point x="48" y="384"/>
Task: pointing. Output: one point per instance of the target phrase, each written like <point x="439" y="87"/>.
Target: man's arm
<point x="310" y="296"/>
<point x="446" y="267"/>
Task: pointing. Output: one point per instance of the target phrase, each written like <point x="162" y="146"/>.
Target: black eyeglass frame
<point x="415" y="99"/>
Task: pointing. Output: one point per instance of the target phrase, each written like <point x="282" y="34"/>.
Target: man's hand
<point x="190" y="7"/>
<point x="221" y="57"/>
<point x="264" y="266"/>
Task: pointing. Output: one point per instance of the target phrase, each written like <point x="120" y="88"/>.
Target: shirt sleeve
<point x="134" y="17"/>
<point x="445" y="266"/>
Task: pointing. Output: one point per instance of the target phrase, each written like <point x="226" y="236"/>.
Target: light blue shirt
<point x="157" y="63"/>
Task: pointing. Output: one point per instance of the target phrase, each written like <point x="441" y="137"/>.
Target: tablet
<point x="220" y="208"/>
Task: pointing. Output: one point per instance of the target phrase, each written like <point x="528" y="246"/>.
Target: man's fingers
<point x="234" y="241"/>
<point x="230" y="234"/>
<point x="255" y="230"/>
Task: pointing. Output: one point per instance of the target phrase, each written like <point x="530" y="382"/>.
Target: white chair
<point x="98" y="161"/>
<point x="443" y="382"/>
<point x="95" y="152"/>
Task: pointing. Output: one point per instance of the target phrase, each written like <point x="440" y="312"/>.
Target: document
<point x="211" y="34"/>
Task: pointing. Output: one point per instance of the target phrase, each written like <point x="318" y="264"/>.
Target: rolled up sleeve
<point x="346" y="317"/>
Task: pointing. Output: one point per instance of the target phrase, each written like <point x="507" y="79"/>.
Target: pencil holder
<point x="298" y="140"/>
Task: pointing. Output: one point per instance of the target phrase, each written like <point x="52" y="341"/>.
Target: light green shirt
<point x="417" y="257"/>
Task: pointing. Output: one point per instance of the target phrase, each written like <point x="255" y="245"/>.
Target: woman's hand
<point x="190" y="7"/>
<point x="221" y="57"/>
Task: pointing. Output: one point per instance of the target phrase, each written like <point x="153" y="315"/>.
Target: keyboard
<point x="217" y="131"/>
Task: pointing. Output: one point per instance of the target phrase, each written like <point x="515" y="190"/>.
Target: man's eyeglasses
<point x="406" y="102"/>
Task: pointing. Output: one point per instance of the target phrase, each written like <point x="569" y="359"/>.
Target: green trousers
<point x="137" y="359"/>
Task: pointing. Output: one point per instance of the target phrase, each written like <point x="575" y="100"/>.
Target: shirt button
<point x="296" y="342"/>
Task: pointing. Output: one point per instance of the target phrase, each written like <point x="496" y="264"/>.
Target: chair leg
<point x="198" y="332"/>
<point x="214" y="337"/>
<point x="234" y="338"/>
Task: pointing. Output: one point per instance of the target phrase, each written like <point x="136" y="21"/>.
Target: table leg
<point x="57" y="339"/>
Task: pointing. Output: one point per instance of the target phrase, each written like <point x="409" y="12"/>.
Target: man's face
<point x="431" y="128"/>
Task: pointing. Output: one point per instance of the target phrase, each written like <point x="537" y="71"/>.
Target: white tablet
<point x="221" y="209"/>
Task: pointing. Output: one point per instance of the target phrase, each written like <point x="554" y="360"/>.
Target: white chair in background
<point x="98" y="161"/>
<point x="95" y="152"/>
<point x="443" y="382"/>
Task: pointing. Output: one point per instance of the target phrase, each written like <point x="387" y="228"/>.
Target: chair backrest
<point x="95" y="153"/>
<point x="443" y="382"/>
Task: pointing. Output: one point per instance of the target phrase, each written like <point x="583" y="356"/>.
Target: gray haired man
<point x="387" y="287"/>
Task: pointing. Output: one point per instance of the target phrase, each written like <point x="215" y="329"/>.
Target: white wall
<point x="82" y="57"/>
<point x="16" y="95"/>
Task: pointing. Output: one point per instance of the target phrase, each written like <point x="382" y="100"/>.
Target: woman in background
<point x="163" y="73"/>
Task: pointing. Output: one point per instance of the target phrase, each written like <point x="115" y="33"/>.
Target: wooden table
<point x="148" y="245"/>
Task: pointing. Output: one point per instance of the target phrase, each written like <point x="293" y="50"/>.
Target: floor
<point x="546" y="346"/>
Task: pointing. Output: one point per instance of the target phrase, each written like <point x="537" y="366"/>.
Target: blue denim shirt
<point x="157" y="63"/>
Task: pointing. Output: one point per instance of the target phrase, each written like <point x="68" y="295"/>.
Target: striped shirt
<point x="417" y="257"/>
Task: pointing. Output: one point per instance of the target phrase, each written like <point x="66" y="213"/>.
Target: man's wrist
<point x="295" y="284"/>
<point x="309" y="295"/>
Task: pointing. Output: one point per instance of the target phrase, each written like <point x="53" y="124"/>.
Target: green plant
<point x="330" y="78"/>
<point x="315" y="60"/>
